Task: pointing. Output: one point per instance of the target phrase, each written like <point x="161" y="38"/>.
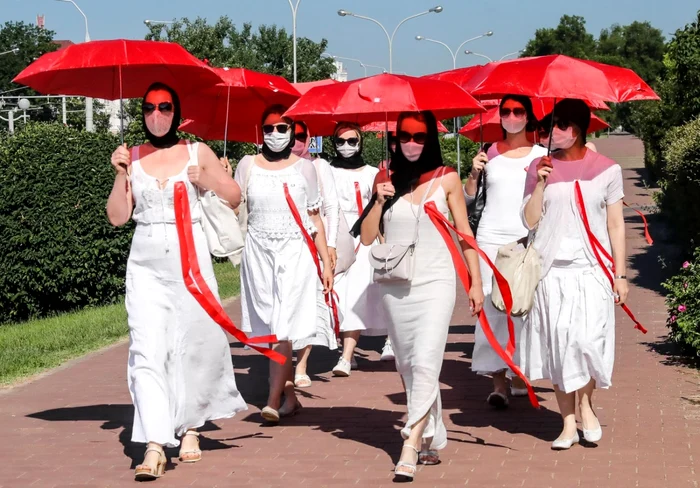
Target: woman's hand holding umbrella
<point x="121" y="159"/>
<point x="544" y="169"/>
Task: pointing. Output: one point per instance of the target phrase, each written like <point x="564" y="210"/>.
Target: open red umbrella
<point x="116" y="69"/>
<point x="558" y="77"/>
<point x="382" y="126"/>
<point x="232" y="109"/>
<point x="383" y="97"/>
<point x="303" y="87"/>
<point x="492" y="131"/>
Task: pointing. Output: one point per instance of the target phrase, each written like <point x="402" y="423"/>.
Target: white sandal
<point x="406" y="471"/>
<point x="144" y="472"/>
<point x="193" y="455"/>
<point x="302" y="381"/>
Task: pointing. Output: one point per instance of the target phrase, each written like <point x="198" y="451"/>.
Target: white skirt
<point x="485" y="361"/>
<point x="279" y="288"/>
<point x="325" y="335"/>
<point x="359" y="298"/>
<point x="569" y="336"/>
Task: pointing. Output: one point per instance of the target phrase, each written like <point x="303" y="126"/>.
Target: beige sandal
<point x="194" y="455"/>
<point x="144" y="472"/>
<point x="406" y="471"/>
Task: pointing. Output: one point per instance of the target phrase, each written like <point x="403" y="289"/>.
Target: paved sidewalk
<point x="72" y="427"/>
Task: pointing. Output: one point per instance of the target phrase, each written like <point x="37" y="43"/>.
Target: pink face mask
<point x="563" y="139"/>
<point x="158" y="112"/>
<point x="412" y="150"/>
<point x="300" y="149"/>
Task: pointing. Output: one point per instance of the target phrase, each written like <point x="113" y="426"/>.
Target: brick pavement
<point x="72" y="427"/>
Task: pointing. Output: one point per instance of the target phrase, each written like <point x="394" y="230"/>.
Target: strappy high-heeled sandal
<point x="405" y="471"/>
<point x="429" y="457"/>
<point x="194" y="455"/>
<point x="144" y="472"/>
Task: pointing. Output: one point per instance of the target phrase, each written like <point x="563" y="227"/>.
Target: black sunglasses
<point x="270" y="128"/>
<point x="518" y="112"/>
<point x="162" y="107"/>
<point x="301" y="136"/>
<point x="418" y="137"/>
<point x="562" y="124"/>
<point x="352" y="141"/>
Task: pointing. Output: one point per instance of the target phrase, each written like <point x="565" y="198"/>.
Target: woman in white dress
<point x="325" y="335"/>
<point x="180" y="372"/>
<point x="358" y="303"/>
<point x="505" y="165"/>
<point x="420" y="309"/>
<point x="569" y="336"/>
<point x="279" y="279"/>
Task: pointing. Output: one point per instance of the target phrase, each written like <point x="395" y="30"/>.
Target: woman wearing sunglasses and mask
<point x="325" y="335"/>
<point x="358" y="305"/>
<point x="280" y="283"/>
<point x="505" y="164"/>
<point x="179" y="372"/>
<point x="569" y="335"/>
<point x="420" y="309"/>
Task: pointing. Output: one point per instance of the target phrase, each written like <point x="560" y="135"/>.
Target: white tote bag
<point x="522" y="269"/>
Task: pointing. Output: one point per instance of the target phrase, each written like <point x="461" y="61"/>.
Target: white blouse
<point x="269" y="215"/>
<point x="331" y="207"/>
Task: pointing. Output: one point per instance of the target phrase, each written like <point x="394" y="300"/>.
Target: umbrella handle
<point x="228" y="99"/>
<point x="386" y="146"/>
<point x="551" y="130"/>
<point x="481" y="132"/>
<point x="121" y="106"/>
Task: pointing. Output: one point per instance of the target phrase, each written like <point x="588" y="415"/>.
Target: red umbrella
<point x="558" y="76"/>
<point x="383" y="97"/>
<point x="232" y="109"/>
<point x="382" y="127"/>
<point x="116" y="69"/>
<point x="493" y="131"/>
<point x="308" y="85"/>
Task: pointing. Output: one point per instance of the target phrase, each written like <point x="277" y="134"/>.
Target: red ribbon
<point x="199" y="288"/>
<point x="331" y="298"/>
<point x="647" y="235"/>
<point x="360" y="208"/>
<point x="598" y="249"/>
<point x="443" y="226"/>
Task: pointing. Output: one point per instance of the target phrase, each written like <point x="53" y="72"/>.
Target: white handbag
<point x="394" y="262"/>
<point x="522" y="269"/>
<point x="224" y="230"/>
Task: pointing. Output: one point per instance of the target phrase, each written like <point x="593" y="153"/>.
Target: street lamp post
<point x="14" y="50"/>
<point x="480" y="55"/>
<point x="353" y="59"/>
<point x="454" y="66"/>
<point x="294" y="8"/>
<point x="381" y="68"/>
<point x="88" y="100"/>
<point x="510" y="54"/>
<point x="390" y="38"/>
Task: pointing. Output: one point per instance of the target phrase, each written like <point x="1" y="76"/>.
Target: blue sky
<point x="512" y="21"/>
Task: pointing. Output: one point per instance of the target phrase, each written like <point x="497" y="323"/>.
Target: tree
<point x="31" y="41"/>
<point x="269" y="50"/>
<point x="569" y="37"/>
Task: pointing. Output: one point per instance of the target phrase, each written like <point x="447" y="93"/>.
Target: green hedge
<point x="57" y="250"/>
<point x="679" y="200"/>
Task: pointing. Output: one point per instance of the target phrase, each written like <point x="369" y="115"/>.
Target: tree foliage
<point x="31" y="41"/>
<point x="269" y="50"/>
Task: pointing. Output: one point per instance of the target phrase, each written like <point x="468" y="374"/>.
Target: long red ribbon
<point x="443" y="225"/>
<point x="200" y="290"/>
<point x="598" y="249"/>
<point x="331" y="298"/>
<point x="647" y="235"/>
<point x="360" y="208"/>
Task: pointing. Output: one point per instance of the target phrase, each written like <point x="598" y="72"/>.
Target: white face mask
<point x="346" y="150"/>
<point x="412" y="150"/>
<point x="276" y="141"/>
<point x="513" y="125"/>
<point x="563" y="139"/>
<point x="159" y="124"/>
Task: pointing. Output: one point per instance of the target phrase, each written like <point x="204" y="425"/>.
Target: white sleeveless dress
<point x="180" y="373"/>
<point x="358" y="296"/>
<point x="279" y="282"/>
<point x="420" y="312"/>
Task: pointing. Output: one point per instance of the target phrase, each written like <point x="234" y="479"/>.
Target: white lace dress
<point x="279" y="280"/>
<point x="359" y="300"/>
<point x="180" y="373"/>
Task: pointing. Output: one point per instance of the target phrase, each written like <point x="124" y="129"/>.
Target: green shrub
<point x="679" y="201"/>
<point x="683" y="303"/>
<point x="57" y="249"/>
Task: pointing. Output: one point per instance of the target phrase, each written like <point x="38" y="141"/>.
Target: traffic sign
<point x="316" y="145"/>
